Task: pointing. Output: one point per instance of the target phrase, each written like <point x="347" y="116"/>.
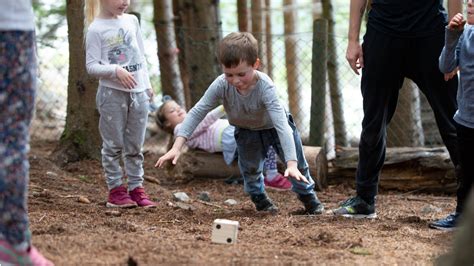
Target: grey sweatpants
<point x="122" y="125"/>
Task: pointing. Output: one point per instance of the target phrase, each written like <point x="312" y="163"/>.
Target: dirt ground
<point x="74" y="233"/>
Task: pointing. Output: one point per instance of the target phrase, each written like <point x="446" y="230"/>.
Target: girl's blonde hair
<point x="91" y="10"/>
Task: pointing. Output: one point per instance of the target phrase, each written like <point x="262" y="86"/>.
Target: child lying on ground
<point x="215" y="134"/>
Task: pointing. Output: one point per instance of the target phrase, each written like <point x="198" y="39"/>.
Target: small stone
<point x="430" y="209"/>
<point x="83" y="199"/>
<point x="181" y="196"/>
<point x="184" y="206"/>
<point x="200" y="238"/>
<point x="230" y="202"/>
<point x="204" y="196"/>
<point x="113" y="213"/>
<point x="51" y="174"/>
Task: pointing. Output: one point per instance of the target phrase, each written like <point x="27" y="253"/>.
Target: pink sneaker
<point x="119" y="198"/>
<point x="139" y="196"/>
<point x="279" y="182"/>
<point x="9" y="256"/>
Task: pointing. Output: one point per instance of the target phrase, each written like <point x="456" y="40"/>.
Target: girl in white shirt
<point x="115" y="54"/>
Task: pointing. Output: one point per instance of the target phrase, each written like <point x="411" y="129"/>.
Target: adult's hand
<point x="355" y="56"/>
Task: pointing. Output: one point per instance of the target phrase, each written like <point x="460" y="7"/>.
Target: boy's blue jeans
<point x="252" y="146"/>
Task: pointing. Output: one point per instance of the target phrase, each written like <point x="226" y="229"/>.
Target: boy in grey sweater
<point x="250" y="101"/>
<point x="458" y="52"/>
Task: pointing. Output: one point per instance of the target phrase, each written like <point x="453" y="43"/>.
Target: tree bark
<point x="268" y="38"/>
<point x="405" y="169"/>
<point x="318" y="84"/>
<point x="81" y="138"/>
<point x="333" y="78"/>
<point x="171" y="83"/>
<point x="258" y="30"/>
<point x="405" y="129"/>
<point x="199" y="31"/>
<point x="295" y="93"/>
<point x="197" y="163"/>
<point x="243" y="17"/>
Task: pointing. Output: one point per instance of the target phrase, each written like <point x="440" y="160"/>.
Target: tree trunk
<point x="405" y="169"/>
<point x="171" y="83"/>
<point x="318" y="84"/>
<point x="295" y="93"/>
<point x="333" y="77"/>
<point x="405" y="129"/>
<point x="199" y="32"/>
<point x="243" y="17"/>
<point x="268" y="38"/>
<point x="258" y="30"/>
<point x="197" y="163"/>
<point x="81" y="138"/>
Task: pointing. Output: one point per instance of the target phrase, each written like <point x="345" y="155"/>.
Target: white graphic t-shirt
<point x="116" y="42"/>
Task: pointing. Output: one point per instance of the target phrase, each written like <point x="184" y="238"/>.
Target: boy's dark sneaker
<point x="356" y="207"/>
<point x="263" y="203"/>
<point x="311" y="203"/>
<point x="448" y="223"/>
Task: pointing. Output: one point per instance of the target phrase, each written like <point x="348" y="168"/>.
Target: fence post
<point x="318" y="83"/>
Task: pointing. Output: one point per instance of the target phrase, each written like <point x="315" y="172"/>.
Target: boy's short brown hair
<point x="238" y="47"/>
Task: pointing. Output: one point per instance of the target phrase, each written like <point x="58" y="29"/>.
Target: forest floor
<point x="70" y="232"/>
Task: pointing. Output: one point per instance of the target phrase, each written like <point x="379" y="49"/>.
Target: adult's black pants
<point x="387" y="61"/>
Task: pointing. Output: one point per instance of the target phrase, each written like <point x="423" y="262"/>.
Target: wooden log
<point x="405" y="169"/>
<point x="198" y="163"/>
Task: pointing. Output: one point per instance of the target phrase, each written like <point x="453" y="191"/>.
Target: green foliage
<point x="50" y="17"/>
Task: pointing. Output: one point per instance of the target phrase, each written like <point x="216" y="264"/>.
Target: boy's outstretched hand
<point x="172" y="154"/>
<point x="293" y="172"/>
<point x="457" y="22"/>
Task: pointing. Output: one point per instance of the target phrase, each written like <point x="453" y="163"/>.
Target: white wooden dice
<point x="224" y="231"/>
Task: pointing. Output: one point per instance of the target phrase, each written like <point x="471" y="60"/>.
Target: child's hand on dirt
<point x="172" y="154"/>
<point x="448" y="76"/>
<point x="457" y="22"/>
<point x="126" y="78"/>
<point x="293" y="172"/>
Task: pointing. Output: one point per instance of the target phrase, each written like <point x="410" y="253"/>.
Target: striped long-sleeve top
<point x="208" y="134"/>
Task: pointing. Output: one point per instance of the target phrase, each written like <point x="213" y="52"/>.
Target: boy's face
<point x="242" y="76"/>
<point x="174" y="114"/>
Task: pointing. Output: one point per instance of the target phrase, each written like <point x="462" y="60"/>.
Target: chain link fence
<point x="414" y="116"/>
